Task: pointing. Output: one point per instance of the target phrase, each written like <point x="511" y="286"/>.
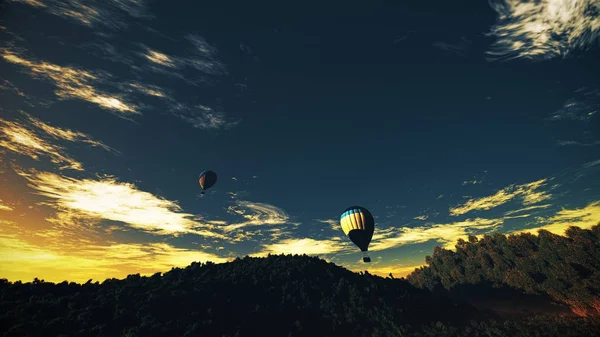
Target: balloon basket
<point x="366" y="257"/>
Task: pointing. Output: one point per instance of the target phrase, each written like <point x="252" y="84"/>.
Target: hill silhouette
<point x="565" y="269"/>
<point x="274" y="296"/>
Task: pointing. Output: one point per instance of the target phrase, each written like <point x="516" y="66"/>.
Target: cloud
<point x="526" y="191"/>
<point x="22" y="138"/>
<point x="73" y="83"/>
<point x="204" y="117"/>
<point x="576" y="110"/>
<point x="147" y="89"/>
<point x="573" y="142"/>
<point x="584" y="218"/>
<point x="4" y="207"/>
<point x="333" y="224"/>
<point x="575" y="120"/>
<point x="421" y="217"/>
<point x="9" y="86"/>
<point x="256" y="214"/>
<point x="55" y="260"/>
<point x="160" y="59"/>
<point x="303" y="246"/>
<point x="459" y="48"/>
<point x="109" y="199"/>
<point x="202" y="59"/>
<point x="526" y="209"/>
<point x="66" y="134"/>
<point x="447" y="234"/>
<point x="543" y="29"/>
<point x="472" y="182"/>
<point x="111" y="14"/>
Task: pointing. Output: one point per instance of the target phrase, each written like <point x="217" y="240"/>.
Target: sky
<point x="445" y="119"/>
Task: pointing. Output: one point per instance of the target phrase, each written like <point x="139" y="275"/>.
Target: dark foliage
<point x="279" y="295"/>
<point x="274" y="296"/>
<point x="565" y="268"/>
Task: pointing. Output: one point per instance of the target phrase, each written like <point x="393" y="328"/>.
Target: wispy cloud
<point x="203" y="59"/>
<point x="576" y="118"/>
<point x="204" y="117"/>
<point x="256" y="214"/>
<point x="576" y="110"/>
<point x="527" y="209"/>
<point x="527" y="192"/>
<point x="447" y="234"/>
<point x="585" y="218"/>
<point x="421" y="217"/>
<point x="73" y="83"/>
<point x="576" y="143"/>
<point x="56" y="260"/>
<point x="543" y="29"/>
<point x="472" y="182"/>
<point x="107" y="13"/>
<point x="459" y="48"/>
<point x="109" y="199"/>
<point x="333" y="224"/>
<point x="4" y="207"/>
<point x="35" y="138"/>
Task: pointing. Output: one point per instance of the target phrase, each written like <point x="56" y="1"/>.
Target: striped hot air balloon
<point x="358" y="223"/>
<point x="206" y="180"/>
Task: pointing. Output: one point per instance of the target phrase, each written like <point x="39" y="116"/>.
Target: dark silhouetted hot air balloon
<point x="358" y="223"/>
<point x="206" y="180"/>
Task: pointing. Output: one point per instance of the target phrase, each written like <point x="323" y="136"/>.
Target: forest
<point x="285" y="295"/>
<point x="565" y="268"/>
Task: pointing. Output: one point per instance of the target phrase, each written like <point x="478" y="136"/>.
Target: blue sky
<point x="443" y="120"/>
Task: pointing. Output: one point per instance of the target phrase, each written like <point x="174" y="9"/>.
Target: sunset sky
<point x="443" y="119"/>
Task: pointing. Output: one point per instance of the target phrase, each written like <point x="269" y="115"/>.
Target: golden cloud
<point x="4" y="207"/>
<point x="160" y="58"/>
<point x="109" y="199"/>
<point x="24" y="260"/>
<point x="443" y="233"/>
<point x="543" y="29"/>
<point x="526" y="209"/>
<point x="22" y="139"/>
<point x="421" y="217"/>
<point x="17" y="138"/>
<point x="73" y="83"/>
<point x="32" y="3"/>
<point x="526" y="191"/>
<point x="584" y="218"/>
<point x="150" y="90"/>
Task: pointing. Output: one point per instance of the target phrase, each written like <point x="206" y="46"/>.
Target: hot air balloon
<point x="206" y="180"/>
<point x="358" y="223"/>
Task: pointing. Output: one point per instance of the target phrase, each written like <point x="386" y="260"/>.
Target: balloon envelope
<point x="358" y="223"/>
<point x="207" y="179"/>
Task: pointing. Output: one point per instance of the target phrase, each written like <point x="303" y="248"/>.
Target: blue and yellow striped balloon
<point x="358" y="223"/>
